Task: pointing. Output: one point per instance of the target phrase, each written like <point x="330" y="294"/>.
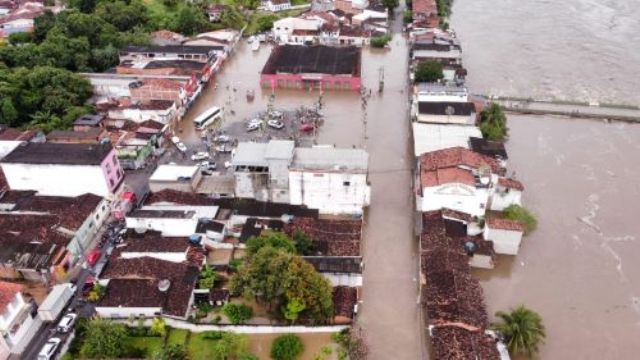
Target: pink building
<point x="313" y="67"/>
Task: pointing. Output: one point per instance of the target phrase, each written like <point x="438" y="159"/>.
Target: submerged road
<point x="390" y="316"/>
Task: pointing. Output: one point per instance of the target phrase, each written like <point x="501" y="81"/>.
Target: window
<point x="346" y="183"/>
<point x="114" y="160"/>
<point x="108" y="168"/>
<point x="111" y="182"/>
<point x="97" y="216"/>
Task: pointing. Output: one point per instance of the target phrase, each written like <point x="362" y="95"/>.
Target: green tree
<point x="522" y="215"/>
<point x="85" y="6"/>
<point x="265" y="23"/>
<point x="429" y="71"/>
<point x="123" y="15"/>
<point x="407" y="16"/>
<point x="274" y="239"/>
<point x="293" y="309"/>
<point x="232" y="18"/>
<point x="247" y="356"/>
<point x="42" y="24"/>
<point x="158" y="327"/>
<point x="303" y="243"/>
<point x="103" y="340"/>
<point x="493" y="122"/>
<point x="207" y="277"/>
<point x="390" y="4"/>
<point x="287" y="347"/>
<point x="237" y="313"/>
<point x="172" y="352"/>
<point x="20" y="38"/>
<point x="8" y="113"/>
<point x="380" y="41"/>
<point x="190" y="20"/>
<point x="523" y="330"/>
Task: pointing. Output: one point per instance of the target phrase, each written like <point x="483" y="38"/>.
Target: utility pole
<point x="380" y="79"/>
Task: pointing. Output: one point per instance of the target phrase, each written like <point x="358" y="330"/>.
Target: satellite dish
<point x="470" y="247"/>
<point x="164" y="285"/>
<point x="449" y="110"/>
<point x="140" y="230"/>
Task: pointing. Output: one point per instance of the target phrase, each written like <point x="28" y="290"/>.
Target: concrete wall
<point x="459" y="197"/>
<point x="502" y="198"/>
<point x="167" y="226"/>
<point x="481" y="261"/>
<point x="328" y="193"/>
<point x="505" y="242"/>
<point x="27" y="332"/>
<point x="324" y="81"/>
<point x="125" y="312"/>
<point x="59" y="180"/>
<point x="342" y="279"/>
<point x="447" y="119"/>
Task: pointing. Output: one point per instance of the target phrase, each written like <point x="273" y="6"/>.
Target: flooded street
<point x="575" y="49"/>
<point x="579" y="268"/>
<point x="389" y="313"/>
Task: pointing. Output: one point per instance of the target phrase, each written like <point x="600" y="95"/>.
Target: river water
<point x="579" y="268"/>
<point x="570" y="49"/>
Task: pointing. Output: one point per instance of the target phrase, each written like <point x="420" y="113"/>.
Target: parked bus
<point x="208" y="117"/>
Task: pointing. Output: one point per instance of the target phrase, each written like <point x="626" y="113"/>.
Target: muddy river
<point x="389" y="313"/>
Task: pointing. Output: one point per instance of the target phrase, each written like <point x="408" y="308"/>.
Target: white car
<point x="276" y="115"/>
<point x="206" y="165"/>
<point x="200" y="155"/>
<point x="66" y="323"/>
<point x="276" y="124"/>
<point x="179" y="144"/>
<point x="222" y="138"/>
<point x="252" y="126"/>
<point x="49" y="349"/>
<point x="175" y="140"/>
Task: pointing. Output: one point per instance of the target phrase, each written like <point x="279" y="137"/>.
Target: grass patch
<point x="177" y="337"/>
<point x="150" y="345"/>
<point x="200" y="348"/>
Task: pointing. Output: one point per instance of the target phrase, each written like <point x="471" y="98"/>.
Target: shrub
<point x="380" y="41"/>
<point x="524" y="216"/>
<point x="493" y="122"/>
<point x="429" y="71"/>
<point x="158" y="327"/>
<point x="213" y="335"/>
<point x="237" y="313"/>
<point x="287" y="347"/>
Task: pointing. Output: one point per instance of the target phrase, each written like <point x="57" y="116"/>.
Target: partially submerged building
<point x="313" y="67"/>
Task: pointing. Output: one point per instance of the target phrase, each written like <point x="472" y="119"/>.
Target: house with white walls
<point x="443" y="112"/>
<point x="296" y="30"/>
<point x="170" y="220"/>
<point x="505" y="234"/>
<point x="277" y="5"/>
<point x="18" y="324"/>
<point x="455" y="178"/>
<point x="434" y="92"/>
<point x="332" y="180"/>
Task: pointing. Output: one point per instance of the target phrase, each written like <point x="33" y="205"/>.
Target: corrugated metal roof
<point x="332" y="159"/>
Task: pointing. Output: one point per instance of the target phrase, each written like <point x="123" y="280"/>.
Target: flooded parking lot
<point x="579" y="268"/>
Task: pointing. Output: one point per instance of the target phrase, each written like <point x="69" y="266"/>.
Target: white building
<point x="458" y="113"/>
<point x="291" y="30"/>
<point x="432" y="137"/>
<point x="506" y="192"/>
<point x="175" y="177"/>
<point x="17" y="324"/>
<point x="63" y="169"/>
<point x="505" y="234"/>
<point x="277" y="5"/>
<point x="431" y="92"/>
<point x="170" y="220"/>
<point x="261" y="170"/>
<point x="334" y="181"/>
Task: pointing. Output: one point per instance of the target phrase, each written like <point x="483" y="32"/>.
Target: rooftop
<point x="146" y="272"/>
<point x="432" y="137"/>
<point x="172" y="49"/>
<point x="173" y="172"/>
<point x="330" y="237"/>
<point x="331" y="159"/>
<point x="89" y="120"/>
<point x="316" y="59"/>
<point x="336" y="264"/>
<point x="8" y="291"/>
<point x="446" y="176"/>
<point x="59" y="154"/>
<point x="152" y="242"/>
<point x="455" y="157"/>
<point x="510" y="183"/>
<point x="344" y="300"/>
<point x="488" y="147"/>
<point x="504" y="224"/>
<point x="257" y="154"/>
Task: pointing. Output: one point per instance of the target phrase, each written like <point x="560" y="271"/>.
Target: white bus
<point x="208" y="117"/>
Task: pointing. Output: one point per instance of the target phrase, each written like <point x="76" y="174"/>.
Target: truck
<point x="56" y="301"/>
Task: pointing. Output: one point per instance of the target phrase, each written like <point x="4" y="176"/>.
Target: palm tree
<point x="523" y="330"/>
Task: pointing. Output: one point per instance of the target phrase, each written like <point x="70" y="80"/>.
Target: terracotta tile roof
<point x="458" y="215"/>
<point x="510" y="183"/>
<point x="446" y="176"/>
<point x="162" y="83"/>
<point x="133" y="293"/>
<point x="344" y="300"/>
<point x="455" y="342"/>
<point x="504" y="224"/>
<point x="331" y="237"/>
<point x="32" y="228"/>
<point x="8" y="291"/>
<point x="455" y="157"/>
<point x="152" y="241"/>
<point x="182" y="276"/>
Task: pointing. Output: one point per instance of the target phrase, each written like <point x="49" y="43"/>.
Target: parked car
<point x="66" y="323"/>
<point x="223" y="149"/>
<point x="222" y="138"/>
<point x="276" y="115"/>
<point x="200" y="155"/>
<point x="254" y="125"/>
<point x="179" y="144"/>
<point x="93" y="257"/>
<point x="276" y="124"/>
<point x="49" y="349"/>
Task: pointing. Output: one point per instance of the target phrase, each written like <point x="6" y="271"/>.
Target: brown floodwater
<point x="579" y="268"/>
<point x="389" y="313"/>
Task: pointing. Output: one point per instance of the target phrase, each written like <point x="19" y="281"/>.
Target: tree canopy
<point x="287" y="347"/>
<point x="104" y="340"/>
<point x="429" y="71"/>
<point x="275" y="240"/>
<point x="493" y="122"/>
<point x="275" y="276"/>
<point x="521" y="214"/>
<point x="43" y="97"/>
<point x="523" y="330"/>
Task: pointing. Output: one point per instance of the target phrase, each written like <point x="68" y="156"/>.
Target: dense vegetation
<point x="493" y="122"/>
<point x="278" y="278"/>
<point x="429" y="71"/>
<point x="380" y="41"/>
<point x="523" y="330"/>
<point x="524" y="216"/>
<point x="287" y="347"/>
